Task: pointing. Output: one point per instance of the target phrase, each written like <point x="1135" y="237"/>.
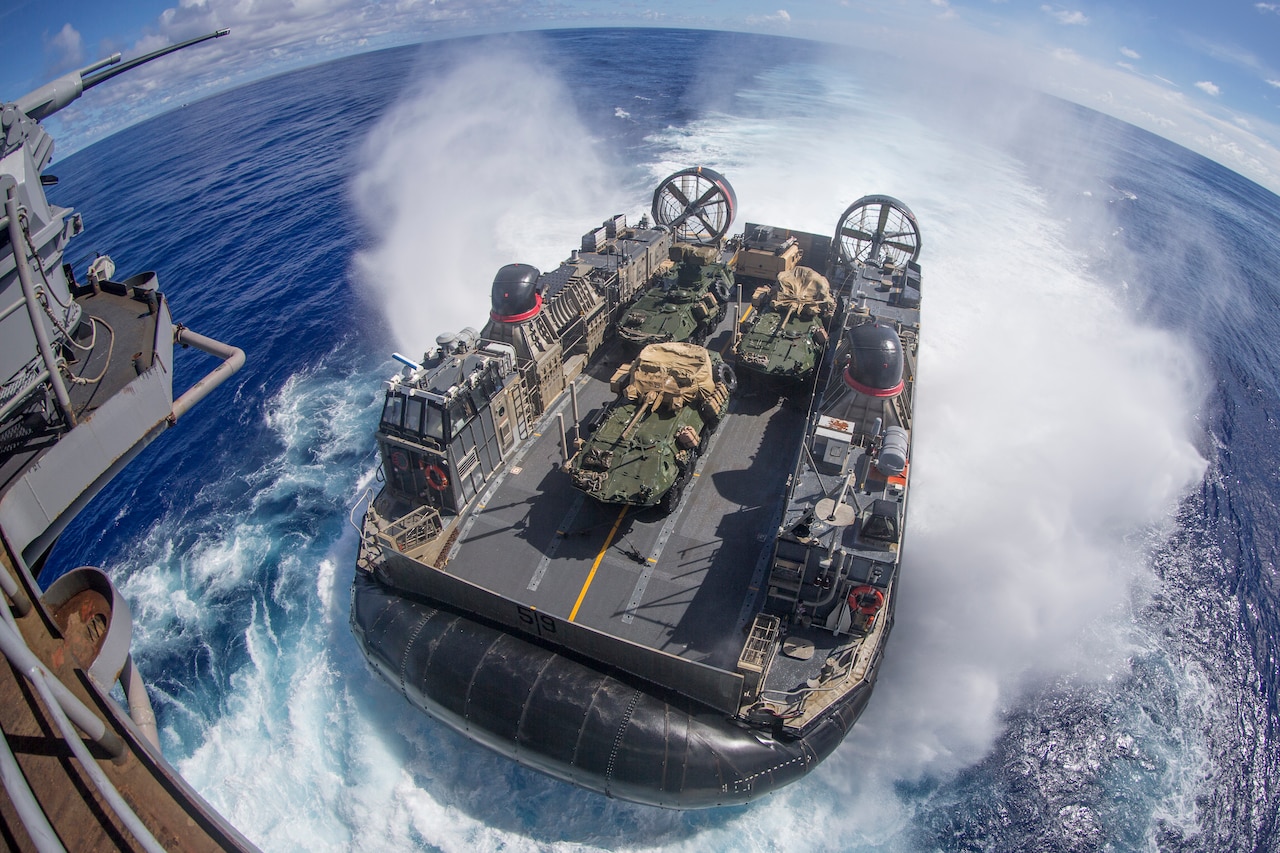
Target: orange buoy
<point x="867" y="600"/>
<point x="436" y="478"/>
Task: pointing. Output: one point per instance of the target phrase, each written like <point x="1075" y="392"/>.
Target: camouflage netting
<point x="688" y="253"/>
<point x="803" y="291"/>
<point x="677" y="373"/>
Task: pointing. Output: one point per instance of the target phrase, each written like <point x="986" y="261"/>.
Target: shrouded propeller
<point x="697" y="204"/>
<point x="875" y="225"/>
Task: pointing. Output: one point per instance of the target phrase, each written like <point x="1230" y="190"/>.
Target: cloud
<point x="1237" y="56"/>
<point x="945" y="5"/>
<point x="1130" y="53"/>
<point x="1268" y="7"/>
<point x="779" y="17"/>
<point x="65" y="50"/>
<point x="1275" y="83"/>
<point x="274" y="36"/>
<point x="1208" y="88"/>
<point x="1065" y="16"/>
<point x="270" y="37"/>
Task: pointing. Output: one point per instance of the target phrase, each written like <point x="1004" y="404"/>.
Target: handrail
<point x="22" y="395"/>
<point x="18" y="304"/>
<point x="15" y="649"/>
<point x="100" y="781"/>
<point x="25" y="804"/>
<point x="232" y="360"/>
<point x="21" y="603"/>
<point x="64" y="707"/>
<point x="363" y="499"/>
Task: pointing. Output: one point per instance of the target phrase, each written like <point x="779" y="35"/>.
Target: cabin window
<point x="392" y="410"/>
<point x="413" y="415"/>
<point x="434" y="427"/>
<point x="462" y="411"/>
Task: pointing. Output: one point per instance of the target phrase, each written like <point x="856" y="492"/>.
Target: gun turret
<point x="51" y="97"/>
<point x="33" y="236"/>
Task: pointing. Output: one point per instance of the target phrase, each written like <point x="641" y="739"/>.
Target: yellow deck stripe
<point x="573" y="614"/>
<point x="608" y="540"/>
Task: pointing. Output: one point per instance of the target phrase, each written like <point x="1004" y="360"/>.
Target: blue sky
<point x="1204" y="74"/>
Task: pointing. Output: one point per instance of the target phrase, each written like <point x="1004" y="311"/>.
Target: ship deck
<point x="82" y="819"/>
<point x="133" y="330"/>
<point x="685" y="584"/>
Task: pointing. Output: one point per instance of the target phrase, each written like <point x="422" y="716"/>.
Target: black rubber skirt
<point x="556" y="713"/>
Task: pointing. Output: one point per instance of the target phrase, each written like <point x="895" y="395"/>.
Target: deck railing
<point x="67" y="712"/>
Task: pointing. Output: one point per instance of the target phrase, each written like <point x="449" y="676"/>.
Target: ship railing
<point x="68" y="713"/>
<point x="361" y="505"/>
<point x="414" y="530"/>
<point x="797" y="697"/>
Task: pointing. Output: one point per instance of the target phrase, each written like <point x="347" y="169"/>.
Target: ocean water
<point x="1085" y="654"/>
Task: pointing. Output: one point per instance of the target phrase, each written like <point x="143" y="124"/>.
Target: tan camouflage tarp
<point x="689" y="253"/>
<point x="804" y="292"/>
<point x="677" y="372"/>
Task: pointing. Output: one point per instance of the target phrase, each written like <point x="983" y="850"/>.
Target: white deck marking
<point x="565" y="525"/>
<point x="668" y="527"/>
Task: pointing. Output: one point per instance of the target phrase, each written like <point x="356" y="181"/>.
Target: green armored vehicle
<point x="685" y="305"/>
<point x="643" y="451"/>
<point x="783" y="338"/>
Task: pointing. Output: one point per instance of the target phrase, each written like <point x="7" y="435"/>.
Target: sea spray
<point x="479" y="164"/>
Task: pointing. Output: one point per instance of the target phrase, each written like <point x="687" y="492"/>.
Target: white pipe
<point x="33" y="309"/>
<point x="232" y="360"/>
<point x="100" y="781"/>
<point x="15" y="649"/>
<point x="140" y="710"/>
<point x="25" y="803"/>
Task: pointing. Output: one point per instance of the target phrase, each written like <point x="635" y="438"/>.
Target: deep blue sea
<point x="1086" y="649"/>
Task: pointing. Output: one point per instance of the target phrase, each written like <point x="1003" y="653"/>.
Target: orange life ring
<point x="858" y="600"/>
<point x="399" y="461"/>
<point x="436" y="478"/>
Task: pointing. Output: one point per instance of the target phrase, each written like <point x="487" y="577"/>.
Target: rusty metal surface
<point x="174" y="814"/>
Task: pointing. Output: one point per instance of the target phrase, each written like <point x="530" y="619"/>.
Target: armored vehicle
<point x="694" y="658"/>
<point x="686" y="303"/>
<point x="643" y="451"/>
<point x="783" y="339"/>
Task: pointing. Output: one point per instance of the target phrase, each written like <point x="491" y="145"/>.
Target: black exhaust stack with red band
<point x="875" y="360"/>
<point x="515" y="294"/>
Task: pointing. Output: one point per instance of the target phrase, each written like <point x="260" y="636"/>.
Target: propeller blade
<point x="885" y="210"/>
